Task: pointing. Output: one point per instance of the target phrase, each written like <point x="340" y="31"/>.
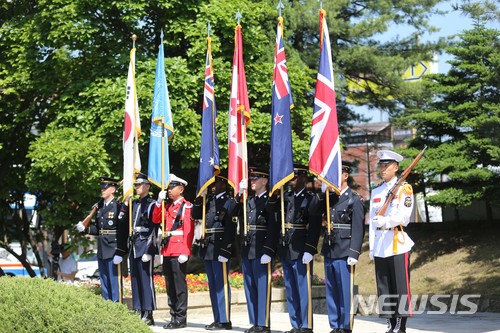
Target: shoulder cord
<point x="177" y="221"/>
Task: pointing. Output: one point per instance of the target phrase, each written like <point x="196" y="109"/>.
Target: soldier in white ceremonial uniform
<point x="389" y="245"/>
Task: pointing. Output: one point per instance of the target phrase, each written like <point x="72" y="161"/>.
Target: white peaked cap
<point x="386" y="156"/>
<point x="174" y="180"/>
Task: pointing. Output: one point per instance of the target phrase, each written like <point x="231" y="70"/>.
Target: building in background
<point x="361" y="145"/>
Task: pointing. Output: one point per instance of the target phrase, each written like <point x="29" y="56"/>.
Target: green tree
<point x="457" y="115"/>
<point x="63" y="73"/>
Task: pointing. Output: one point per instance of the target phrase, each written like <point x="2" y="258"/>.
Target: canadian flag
<point x="239" y="117"/>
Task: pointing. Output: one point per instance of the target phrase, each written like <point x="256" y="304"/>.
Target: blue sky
<point x="449" y="24"/>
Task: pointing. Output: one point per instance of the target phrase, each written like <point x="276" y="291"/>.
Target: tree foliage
<point x="63" y="75"/>
<point x="458" y="114"/>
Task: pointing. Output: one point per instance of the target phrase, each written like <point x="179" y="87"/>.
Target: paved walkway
<point x="446" y="323"/>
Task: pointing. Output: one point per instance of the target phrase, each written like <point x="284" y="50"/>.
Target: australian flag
<point x="324" y="153"/>
<point x="281" y="134"/>
<point x="209" y="150"/>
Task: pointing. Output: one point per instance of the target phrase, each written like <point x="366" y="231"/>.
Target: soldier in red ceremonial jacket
<point x="176" y="247"/>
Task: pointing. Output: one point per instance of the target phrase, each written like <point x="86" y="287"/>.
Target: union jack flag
<point x="209" y="150"/>
<point x="281" y="134"/>
<point x="324" y="153"/>
<point x="239" y="117"/>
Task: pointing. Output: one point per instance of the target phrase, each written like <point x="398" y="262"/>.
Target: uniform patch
<point x="377" y="199"/>
<point x="407" y="202"/>
<point x="111" y="215"/>
<point x="110" y="222"/>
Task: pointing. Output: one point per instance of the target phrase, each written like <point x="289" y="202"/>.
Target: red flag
<point x="239" y="117"/>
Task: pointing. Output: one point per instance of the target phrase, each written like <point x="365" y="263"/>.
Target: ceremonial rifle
<point x="394" y="190"/>
<point x="86" y="220"/>
<point x="392" y="193"/>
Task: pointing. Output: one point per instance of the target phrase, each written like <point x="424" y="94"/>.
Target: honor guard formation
<point x="141" y="228"/>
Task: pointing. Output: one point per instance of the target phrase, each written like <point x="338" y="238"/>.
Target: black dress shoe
<point x="293" y="330"/>
<point x="147" y="317"/>
<point x="306" y="330"/>
<point x="250" y="330"/>
<point x="262" y="329"/>
<point x="174" y="324"/>
<point x="212" y="326"/>
<point x="149" y="321"/>
<point x="226" y="326"/>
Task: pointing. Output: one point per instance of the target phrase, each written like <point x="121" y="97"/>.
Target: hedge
<point x="43" y="305"/>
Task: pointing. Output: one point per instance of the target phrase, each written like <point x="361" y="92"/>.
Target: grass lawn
<point x="461" y="260"/>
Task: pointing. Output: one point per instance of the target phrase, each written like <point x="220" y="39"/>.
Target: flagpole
<point x="162" y="160"/>
<point x="129" y="199"/>
<point x="244" y="170"/>
<point x="282" y="213"/>
<point x="327" y="190"/>
<point x="244" y="175"/>
<point x="204" y="196"/>
<point x="328" y="217"/>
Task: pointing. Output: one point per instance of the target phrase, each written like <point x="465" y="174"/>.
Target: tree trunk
<point x="489" y="212"/>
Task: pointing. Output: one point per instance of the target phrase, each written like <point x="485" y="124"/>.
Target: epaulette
<point x="356" y="194"/>
<point x="407" y="189"/>
<point x="378" y="185"/>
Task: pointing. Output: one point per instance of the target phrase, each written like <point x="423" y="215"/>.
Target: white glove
<point x="146" y="257"/>
<point x="203" y="193"/>
<point x="380" y="221"/>
<point x="182" y="258"/>
<point x="371" y="255"/>
<point x="351" y="261"/>
<point x="162" y="195"/>
<point x="306" y="258"/>
<point x="265" y="259"/>
<point x="117" y="260"/>
<point x="222" y="259"/>
<point x="80" y="227"/>
<point x="243" y="186"/>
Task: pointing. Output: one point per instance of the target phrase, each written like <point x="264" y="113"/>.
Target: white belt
<point x="174" y="233"/>
<point x="141" y="229"/>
